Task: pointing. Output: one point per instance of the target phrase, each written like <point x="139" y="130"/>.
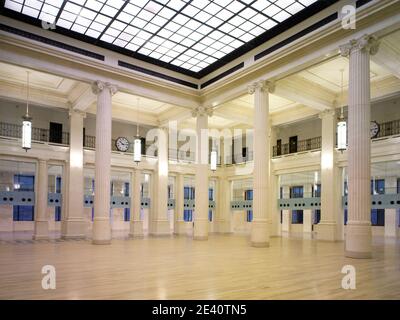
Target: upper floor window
<point x="296" y="192"/>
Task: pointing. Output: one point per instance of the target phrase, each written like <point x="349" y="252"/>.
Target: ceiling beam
<point x="306" y="92"/>
<point x="82" y="97"/>
<point x="388" y="57"/>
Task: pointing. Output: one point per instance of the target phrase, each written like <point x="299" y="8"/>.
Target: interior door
<point x="293" y="144"/>
<point x="55" y="132"/>
<point x="279" y="147"/>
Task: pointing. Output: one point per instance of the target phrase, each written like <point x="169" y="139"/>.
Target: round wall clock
<point x="122" y="144"/>
<point x="374" y="129"/>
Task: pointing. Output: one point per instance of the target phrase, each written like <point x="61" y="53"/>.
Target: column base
<point x="101" y="231"/>
<point x="326" y="231"/>
<point x="136" y="229"/>
<point x="160" y="228"/>
<point x="180" y="228"/>
<point x="259" y="234"/>
<point x="73" y="229"/>
<point x="358" y="240"/>
<point x="41" y="230"/>
<point x="200" y="231"/>
<point x="223" y="226"/>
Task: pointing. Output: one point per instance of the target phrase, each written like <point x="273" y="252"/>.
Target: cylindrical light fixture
<point x="213" y="160"/>
<point x="137" y="144"/>
<point x="341" y="125"/>
<point x="27" y="122"/>
<point x="341" y="135"/>
<point x="137" y="150"/>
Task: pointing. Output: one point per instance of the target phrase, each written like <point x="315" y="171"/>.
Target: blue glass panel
<point x="57" y="213"/>
<point x="297" y="216"/>
<point x="23" y="213"/>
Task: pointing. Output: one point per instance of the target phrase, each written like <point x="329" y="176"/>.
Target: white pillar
<point x="286" y="214"/>
<point x="101" y="221"/>
<point x="136" y="224"/>
<point x="200" y="231"/>
<point x="223" y="208"/>
<point x="391" y="216"/>
<point x="159" y="224"/>
<point x="358" y="231"/>
<point x="275" y="229"/>
<point x="307" y="213"/>
<point x="327" y="229"/>
<point x="180" y="224"/>
<point x="41" y="230"/>
<point x="73" y="223"/>
<point x="261" y="195"/>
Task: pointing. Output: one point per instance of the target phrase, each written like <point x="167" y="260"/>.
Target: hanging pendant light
<point x="27" y="122"/>
<point x="341" y="126"/>
<point x="137" y="144"/>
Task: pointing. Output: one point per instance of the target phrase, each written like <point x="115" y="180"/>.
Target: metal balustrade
<point x="302" y="145"/>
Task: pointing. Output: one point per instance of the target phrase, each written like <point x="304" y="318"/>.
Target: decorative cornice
<point x="202" y="111"/>
<point x="99" y="86"/>
<point x="367" y="43"/>
<point x="262" y="85"/>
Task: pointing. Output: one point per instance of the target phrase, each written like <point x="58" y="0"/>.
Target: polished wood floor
<point x="225" y="267"/>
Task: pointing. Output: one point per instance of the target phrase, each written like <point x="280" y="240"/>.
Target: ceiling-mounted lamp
<point x="27" y="122"/>
<point x="341" y="125"/>
<point x="137" y="144"/>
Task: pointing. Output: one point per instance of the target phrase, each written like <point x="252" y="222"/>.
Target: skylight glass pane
<point x="188" y="34"/>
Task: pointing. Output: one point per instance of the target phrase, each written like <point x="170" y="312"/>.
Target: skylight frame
<point x="143" y="45"/>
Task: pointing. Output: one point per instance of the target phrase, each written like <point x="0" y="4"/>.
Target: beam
<point x="388" y="57"/>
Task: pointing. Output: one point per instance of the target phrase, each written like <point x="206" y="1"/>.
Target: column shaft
<point x="201" y="226"/>
<point x="73" y="224"/>
<point x="136" y="224"/>
<point x="41" y="229"/>
<point x="101" y="221"/>
<point x="159" y="224"/>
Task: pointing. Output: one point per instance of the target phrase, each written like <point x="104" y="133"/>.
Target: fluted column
<point x="136" y="224"/>
<point x="159" y="224"/>
<point x="261" y="182"/>
<point x="41" y="229"/>
<point x="101" y="221"/>
<point x="73" y="224"/>
<point x="327" y="229"/>
<point x="201" y="180"/>
<point x="358" y="230"/>
<point x="179" y="223"/>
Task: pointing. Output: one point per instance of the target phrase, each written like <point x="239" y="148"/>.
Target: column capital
<point x="327" y="113"/>
<point x="202" y="111"/>
<point x="98" y="86"/>
<point x="73" y="111"/>
<point x="262" y="85"/>
<point x="367" y="43"/>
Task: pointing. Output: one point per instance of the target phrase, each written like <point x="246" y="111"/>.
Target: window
<point x="317" y="216"/>
<point x="378" y="187"/>
<point x="296" y="192"/>
<point x="57" y="209"/>
<point x="317" y="190"/>
<point x="398" y="185"/>
<point x="24" y="183"/>
<point x="297" y="216"/>
<point x="345" y="216"/>
<point x="248" y="195"/>
<point x="378" y="217"/>
<point x="127" y="211"/>
<point x="188" y="194"/>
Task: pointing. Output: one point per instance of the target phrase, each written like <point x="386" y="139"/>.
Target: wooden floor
<point x="225" y="267"/>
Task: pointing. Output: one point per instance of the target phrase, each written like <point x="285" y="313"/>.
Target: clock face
<point x="122" y="144"/>
<point x="374" y="130"/>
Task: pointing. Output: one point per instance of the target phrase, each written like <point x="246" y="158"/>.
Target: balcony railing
<point x="239" y="158"/>
<point x="302" y="145"/>
<point x="390" y="128"/>
<point x="38" y="134"/>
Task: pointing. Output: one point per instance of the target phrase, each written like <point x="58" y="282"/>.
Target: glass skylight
<point x="191" y="34"/>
